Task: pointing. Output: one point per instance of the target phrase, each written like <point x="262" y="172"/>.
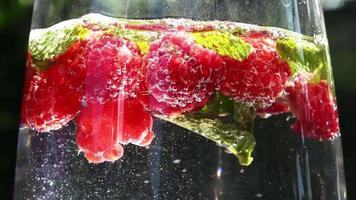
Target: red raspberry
<point x="101" y="127"/>
<point x="156" y="107"/>
<point x="136" y="124"/>
<point x="147" y="139"/>
<point x="52" y="97"/>
<point x="114" y="65"/>
<point x="314" y="106"/>
<point x="181" y="75"/>
<point x="261" y="77"/>
<point x="162" y="108"/>
<point x="115" y="153"/>
<point x="277" y="107"/>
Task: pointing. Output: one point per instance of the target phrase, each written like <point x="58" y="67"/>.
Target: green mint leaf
<point x="46" y="44"/>
<point x="140" y="37"/>
<point x="302" y="55"/>
<point x="224" y="43"/>
<point x="228" y="123"/>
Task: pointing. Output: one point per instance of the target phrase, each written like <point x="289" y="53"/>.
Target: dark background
<point x="15" y="19"/>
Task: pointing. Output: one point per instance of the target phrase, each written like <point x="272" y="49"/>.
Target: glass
<point x="180" y="99"/>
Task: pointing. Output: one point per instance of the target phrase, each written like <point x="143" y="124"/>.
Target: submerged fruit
<point x="135" y="123"/>
<point x="314" y="106"/>
<point x="114" y="66"/>
<point x="46" y="46"/>
<point x="52" y="97"/>
<point x="102" y="127"/>
<point x="212" y="78"/>
<point x="181" y="75"/>
<point x="278" y="107"/>
<point x="258" y="79"/>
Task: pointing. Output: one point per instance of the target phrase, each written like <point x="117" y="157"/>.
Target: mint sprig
<point x="228" y="123"/>
<point x="224" y="43"/>
<point x="142" y="38"/>
<point x="302" y="55"/>
<point x="46" y="45"/>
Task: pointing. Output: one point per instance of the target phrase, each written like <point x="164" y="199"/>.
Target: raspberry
<point x="137" y="124"/>
<point x="156" y="107"/>
<point x="147" y="139"/>
<point x="114" y="65"/>
<point x="116" y="152"/>
<point x="181" y="75"/>
<point x="314" y="107"/>
<point x="101" y="127"/>
<point x="52" y="97"/>
<point x="277" y="107"/>
<point x="261" y="77"/>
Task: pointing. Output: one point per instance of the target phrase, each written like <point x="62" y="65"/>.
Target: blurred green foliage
<point x="12" y="10"/>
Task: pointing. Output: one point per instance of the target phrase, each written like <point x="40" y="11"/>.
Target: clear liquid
<point x="209" y="163"/>
<point x="182" y="165"/>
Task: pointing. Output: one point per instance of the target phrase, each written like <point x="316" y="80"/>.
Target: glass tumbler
<point x="179" y="99"/>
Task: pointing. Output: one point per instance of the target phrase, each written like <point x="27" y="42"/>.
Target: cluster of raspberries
<point x="111" y="89"/>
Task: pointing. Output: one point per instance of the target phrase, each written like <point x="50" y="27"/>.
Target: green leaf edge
<point x="52" y="43"/>
<point x="236" y="136"/>
<point x="142" y="38"/>
<point x="303" y="56"/>
<point x="224" y="43"/>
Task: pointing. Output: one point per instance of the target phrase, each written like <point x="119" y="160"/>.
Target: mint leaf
<point x="46" y="44"/>
<point x="224" y="43"/>
<point x="140" y="37"/>
<point x="302" y="55"/>
<point x="228" y="123"/>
